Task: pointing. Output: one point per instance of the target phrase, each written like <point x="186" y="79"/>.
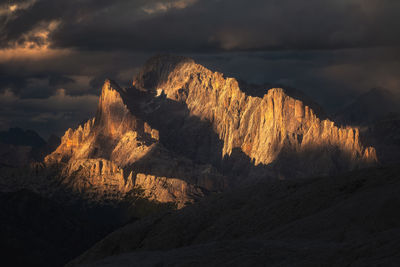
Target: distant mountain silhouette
<point x="377" y="112"/>
<point x="20" y="147"/>
<point x="369" y="107"/>
<point x="20" y="137"/>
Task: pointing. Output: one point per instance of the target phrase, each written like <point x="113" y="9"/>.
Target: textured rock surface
<point x="106" y="157"/>
<point x="264" y="129"/>
<point x="182" y="129"/>
<point x="113" y="134"/>
<point x="167" y="189"/>
<point x="100" y="177"/>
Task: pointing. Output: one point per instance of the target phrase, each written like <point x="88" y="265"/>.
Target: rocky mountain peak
<point x="203" y="130"/>
<point x="157" y="70"/>
<point x="112" y="117"/>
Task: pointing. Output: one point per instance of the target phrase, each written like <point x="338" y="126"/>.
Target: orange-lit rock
<point x="98" y="178"/>
<point x="263" y="128"/>
<point x="168" y="189"/>
<point x="183" y="121"/>
<point x="102" y="157"/>
<point x="114" y="134"/>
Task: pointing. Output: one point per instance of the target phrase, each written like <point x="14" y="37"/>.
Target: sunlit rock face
<point x="166" y="189"/>
<point x="98" y="179"/>
<point x="109" y="155"/>
<point x="182" y="131"/>
<point x="270" y="130"/>
<point x="112" y="131"/>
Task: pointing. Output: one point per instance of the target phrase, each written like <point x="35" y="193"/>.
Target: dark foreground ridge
<point x="48" y="231"/>
<point x="348" y="220"/>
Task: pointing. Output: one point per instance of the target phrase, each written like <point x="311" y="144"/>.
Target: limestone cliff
<point x="265" y="129"/>
<point x="114" y="128"/>
<point x="110" y="154"/>
<point x="182" y="129"/>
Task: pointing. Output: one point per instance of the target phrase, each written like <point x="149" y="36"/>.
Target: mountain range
<point x="19" y="147"/>
<point x="369" y="108"/>
<point x="181" y="131"/>
<point x="190" y="163"/>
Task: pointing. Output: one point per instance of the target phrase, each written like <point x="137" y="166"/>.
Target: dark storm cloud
<point x="57" y="80"/>
<point x="30" y="113"/>
<point x="71" y="13"/>
<point x="29" y="87"/>
<point x="212" y="25"/>
<point x="12" y="81"/>
<point x="234" y="25"/>
<point x="70" y="70"/>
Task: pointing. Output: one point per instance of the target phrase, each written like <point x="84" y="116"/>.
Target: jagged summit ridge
<point x="157" y="69"/>
<point x="113" y="117"/>
<point x="260" y="127"/>
<point x="182" y="130"/>
<point x="111" y="154"/>
<point x="100" y="136"/>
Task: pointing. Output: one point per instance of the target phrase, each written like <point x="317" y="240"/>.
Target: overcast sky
<point x="54" y="55"/>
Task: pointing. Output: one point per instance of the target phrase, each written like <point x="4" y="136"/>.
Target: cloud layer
<point x="46" y="111"/>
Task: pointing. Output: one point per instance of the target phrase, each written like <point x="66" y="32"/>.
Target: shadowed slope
<point x="333" y="221"/>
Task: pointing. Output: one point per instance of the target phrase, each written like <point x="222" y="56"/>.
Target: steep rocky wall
<point x="97" y="179"/>
<point x="263" y="128"/>
<point x="114" y="134"/>
<point x="183" y="130"/>
<point x="72" y="142"/>
<point x="111" y="153"/>
<point x="165" y="189"/>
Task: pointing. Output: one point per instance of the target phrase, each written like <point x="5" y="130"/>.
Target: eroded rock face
<point x="264" y="129"/>
<point x="113" y="130"/>
<point x="165" y="189"/>
<point x="98" y="178"/>
<point x="182" y="129"/>
<point x="102" y="158"/>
